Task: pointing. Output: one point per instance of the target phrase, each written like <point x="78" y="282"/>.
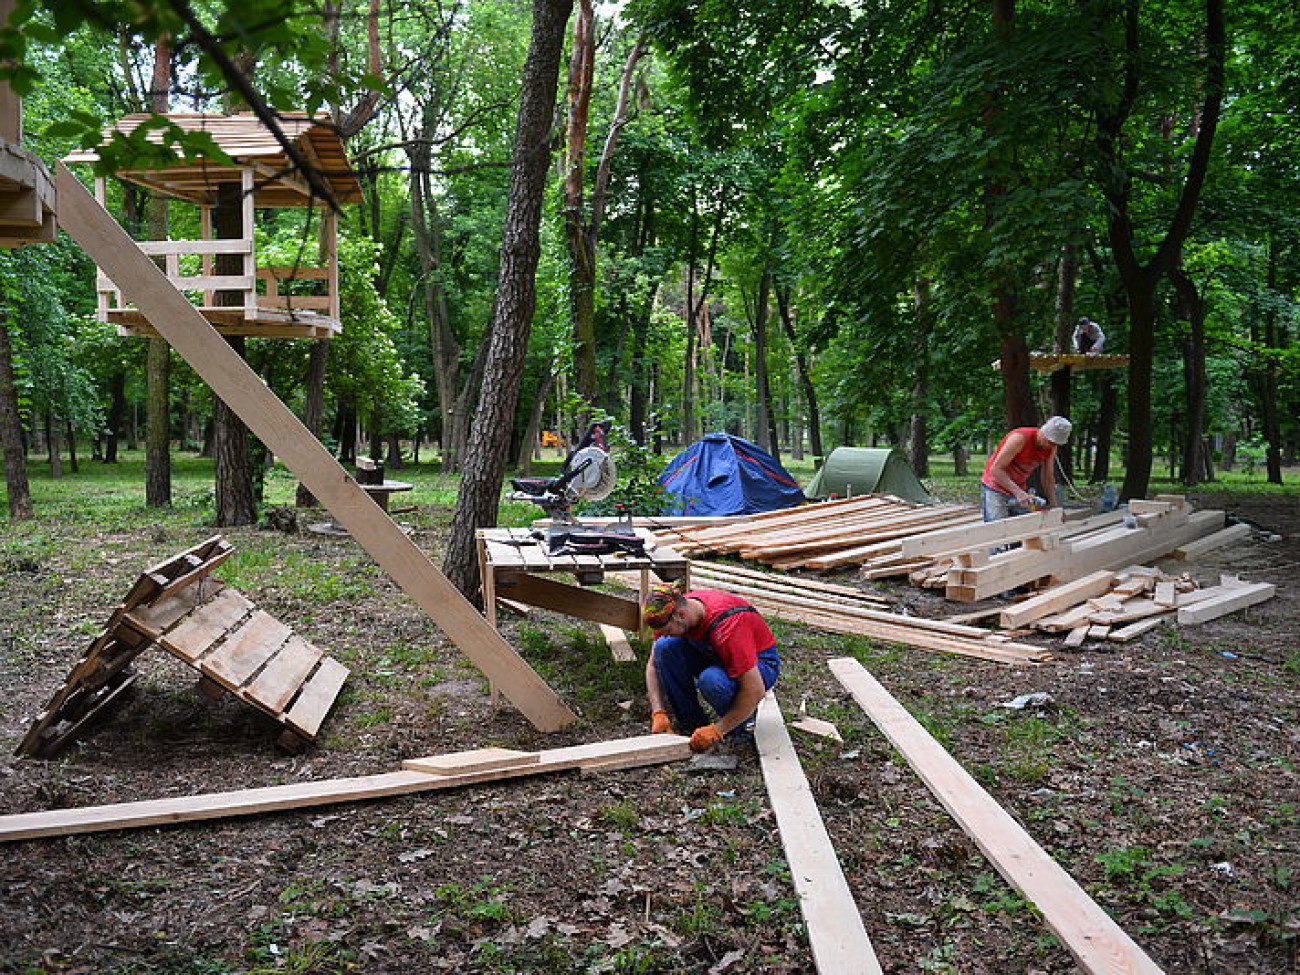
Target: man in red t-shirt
<point x="1004" y="487"/>
<point x="712" y="645"/>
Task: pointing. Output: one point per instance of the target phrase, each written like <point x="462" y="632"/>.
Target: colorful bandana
<point x="660" y="605"/>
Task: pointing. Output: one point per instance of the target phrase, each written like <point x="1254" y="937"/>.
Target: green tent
<point x="850" y="471"/>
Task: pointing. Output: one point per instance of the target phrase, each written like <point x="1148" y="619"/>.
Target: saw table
<point x="514" y="565"/>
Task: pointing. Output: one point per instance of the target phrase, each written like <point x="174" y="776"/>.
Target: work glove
<point x="660" y="723"/>
<point x="705" y="738"/>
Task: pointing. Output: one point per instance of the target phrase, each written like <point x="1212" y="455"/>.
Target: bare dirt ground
<point x="1161" y="775"/>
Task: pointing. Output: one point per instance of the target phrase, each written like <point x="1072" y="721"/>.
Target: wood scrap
<point x="1228" y="599"/>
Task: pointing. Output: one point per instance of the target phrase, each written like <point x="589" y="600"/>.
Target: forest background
<point x="808" y="224"/>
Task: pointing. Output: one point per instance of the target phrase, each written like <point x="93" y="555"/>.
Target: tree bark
<point x="766" y="425"/>
<point x="11" y="431"/>
<point x="232" y="456"/>
<point x="786" y="314"/>
<point x="157" y="443"/>
<point x="507" y="342"/>
<point x="1067" y="270"/>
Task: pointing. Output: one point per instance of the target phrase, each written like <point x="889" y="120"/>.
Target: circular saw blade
<point x="597" y="480"/>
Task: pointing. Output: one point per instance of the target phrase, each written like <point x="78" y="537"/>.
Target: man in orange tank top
<point x="1004" y="486"/>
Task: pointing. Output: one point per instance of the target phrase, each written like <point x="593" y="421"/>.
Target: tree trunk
<point x="1191" y="308"/>
<point x="581" y="244"/>
<point x="1107" y="412"/>
<point x="427" y="235"/>
<point x="766" y="422"/>
<point x="805" y="374"/>
<point x="1061" y="380"/>
<point x="11" y="430"/>
<point x="116" y="415"/>
<point x="157" y="444"/>
<point x="235" y="490"/>
<point x="313" y="413"/>
<point x="507" y="342"/>
<point x="1140" y="279"/>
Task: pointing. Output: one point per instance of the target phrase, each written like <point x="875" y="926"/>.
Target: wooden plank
<point x="195" y="634"/>
<point x="619" y="646"/>
<point x="586" y="604"/>
<point x="644" y="750"/>
<point x="832" y="920"/>
<point x="1092" y="936"/>
<point x="1126" y="633"/>
<point x="283" y="675"/>
<point x="245" y="650"/>
<point x="1219" y="539"/>
<point x="275" y="425"/>
<point x="478" y="760"/>
<point x="161" y="615"/>
<point x="1056" y="599"/>
<point x="982" y="535"/>
<point x="1228" y="601"/>
<point x="316" y="698"/>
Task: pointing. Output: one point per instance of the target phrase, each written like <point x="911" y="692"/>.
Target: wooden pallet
<point x="237" y="648"/>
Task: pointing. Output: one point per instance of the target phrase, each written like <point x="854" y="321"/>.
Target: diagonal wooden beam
<point x="230" y="377"/>
<point x="597" y="756"/>
<point x="1092" y="936"/>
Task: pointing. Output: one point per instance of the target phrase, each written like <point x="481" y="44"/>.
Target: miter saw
<point x="588" y="474"/>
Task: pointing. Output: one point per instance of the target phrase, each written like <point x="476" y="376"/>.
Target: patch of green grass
<point x="702" y="917"/>
<point x="624" y="816"/>
<point x="373" y="719"/>
<point x="481" y="901"/>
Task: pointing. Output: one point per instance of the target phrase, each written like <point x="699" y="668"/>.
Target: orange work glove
<point x="705" y="738"/>
<point x="660" y="723"/>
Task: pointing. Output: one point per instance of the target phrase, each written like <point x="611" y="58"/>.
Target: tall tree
<point x="512" y="313"/>
<point x="1142" y="267"/>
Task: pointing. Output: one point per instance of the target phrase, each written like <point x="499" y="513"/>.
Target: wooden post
<point x="191" y="335"/>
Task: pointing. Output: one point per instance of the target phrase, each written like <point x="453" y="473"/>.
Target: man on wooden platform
<point x="708" y="644"/>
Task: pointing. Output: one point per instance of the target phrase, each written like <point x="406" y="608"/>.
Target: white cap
<point x="1056" y="429"/>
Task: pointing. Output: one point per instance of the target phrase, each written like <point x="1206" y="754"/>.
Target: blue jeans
<point x="996" y="505"/>
<point x="688" y="670"/>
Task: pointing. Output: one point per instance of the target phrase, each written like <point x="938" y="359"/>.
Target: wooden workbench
<point x="513" y="565"/>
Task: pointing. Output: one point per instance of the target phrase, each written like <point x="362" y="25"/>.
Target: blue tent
<point x="724" y="475"/>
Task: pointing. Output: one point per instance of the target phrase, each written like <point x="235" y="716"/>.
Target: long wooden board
<point x="230" y="377"/>
<point x="1096" y="941"/>
<point x="641" y="750"/>
<point x="836" y="933"/>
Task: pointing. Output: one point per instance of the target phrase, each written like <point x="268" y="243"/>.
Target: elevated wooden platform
<point x="27" y="198"/>
<point x="236" y="647"/>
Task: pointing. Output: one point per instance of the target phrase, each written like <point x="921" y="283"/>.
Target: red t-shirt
<point x="738" y="639"/>
<point x="1023" y="464"/>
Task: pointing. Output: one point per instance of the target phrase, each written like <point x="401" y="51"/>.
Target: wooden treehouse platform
<point x="236" y="648"/>
<point x="219" y="271"/>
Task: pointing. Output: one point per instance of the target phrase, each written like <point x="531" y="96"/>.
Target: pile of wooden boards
<point x="841" y="609"/>
<point x="827" y="535"/>
<point x="973" y="563"/>
<point x="1119" y="606"/>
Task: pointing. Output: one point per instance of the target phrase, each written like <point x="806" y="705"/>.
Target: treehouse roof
<point x="246" y="140"/>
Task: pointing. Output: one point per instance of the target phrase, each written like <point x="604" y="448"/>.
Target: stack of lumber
<point x="971" y="562"/>
<point x="841" y="609"/>
<point x="826" y="535"/>
<point x="1119" y="606"/>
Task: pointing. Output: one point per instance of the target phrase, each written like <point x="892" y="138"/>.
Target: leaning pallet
<point x="236" y="647"/>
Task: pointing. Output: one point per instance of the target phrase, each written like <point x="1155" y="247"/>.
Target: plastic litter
<point x="1035" y="699"/>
